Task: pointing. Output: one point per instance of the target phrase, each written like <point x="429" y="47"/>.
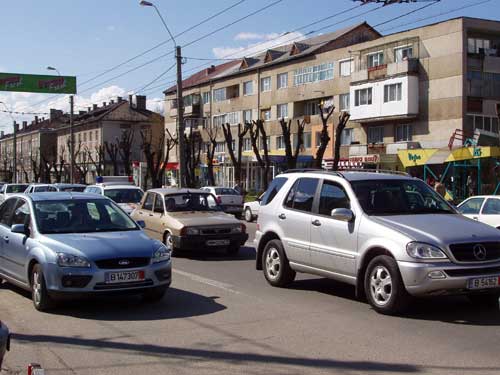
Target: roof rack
<point x="313" y="170"/>
<point x="387" y="171"/>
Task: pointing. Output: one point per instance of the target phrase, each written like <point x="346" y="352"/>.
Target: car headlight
<point x="68" y="260"/>
<point x="161" y="255"/>
<point x="420" y="250"/>
<point x="239" y="229"/>
<point x="191" y="231"/>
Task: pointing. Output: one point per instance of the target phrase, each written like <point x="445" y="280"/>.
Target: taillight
<point x="131" y="179"/>
<point x="258" y="226"/>
<point x="219" y="200"/>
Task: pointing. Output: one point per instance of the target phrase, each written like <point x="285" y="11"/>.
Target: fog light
<point x="436" y="275"/>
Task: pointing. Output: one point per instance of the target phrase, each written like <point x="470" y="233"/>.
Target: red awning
<point x="172" y="166"/>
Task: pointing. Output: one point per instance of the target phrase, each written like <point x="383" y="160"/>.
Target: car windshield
<point x="399" y="197"/>
<point x="225" y="191"/>
<point x="73" y="188"/>
<point x="81" y="216"/>
<point x="20" y="188"/>
<point x="191" y="202"/>
<point x="124" y="195"/>
<point x="44" y="189"/>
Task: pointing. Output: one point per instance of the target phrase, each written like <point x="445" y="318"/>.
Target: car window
<point x="191" y="202"/>
<point x="159" y="204"/>
<point x="124" y="195"/>
<point x="6" y="211"/>
<point x="19" y="188"/>
<point x="332" y="196"/>
<point x="21" y="213"/>
<point x="471" y="207"/>
<point x="272" y="190"/>
<point x="491" y="207"/>
<point x="148" y="202"/>
<point x="225" y="191"/>
<point x="301" y="196"/>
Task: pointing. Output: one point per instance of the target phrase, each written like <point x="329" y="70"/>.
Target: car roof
<point x="59" y="196"/>
<point x="168" y="191"/>
<point x="353" y="175"/>
<point x="484" y="196"/>
<point x="115" y="186"/>
<point x="67" y="184"/>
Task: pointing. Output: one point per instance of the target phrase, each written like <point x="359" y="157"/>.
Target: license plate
<point x="483" y="282"/>
<point x="218" y="242"/>
<point x="124" y="277"/>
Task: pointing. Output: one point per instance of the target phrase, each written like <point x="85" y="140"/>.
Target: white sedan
<point x="251" y="209"/>
<point x="483" y="208"/>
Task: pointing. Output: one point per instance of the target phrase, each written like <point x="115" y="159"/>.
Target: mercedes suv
<point x="388" y="234"/>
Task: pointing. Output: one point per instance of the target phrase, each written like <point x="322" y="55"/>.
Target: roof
<point x="168" y="191"/>
<point x="58" y="196"/>
<point x="353" y="175"/>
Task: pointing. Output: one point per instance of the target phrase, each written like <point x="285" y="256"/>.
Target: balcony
<point x="405" y="67"/>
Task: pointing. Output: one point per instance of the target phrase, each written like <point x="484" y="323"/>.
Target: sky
<point x="86" y="38"/>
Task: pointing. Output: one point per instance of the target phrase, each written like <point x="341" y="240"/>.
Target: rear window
<point x="272" y="190"/>
<point x="16" y="188"/>
<point x="225" y="191"/>
<point x="124" y="195"/>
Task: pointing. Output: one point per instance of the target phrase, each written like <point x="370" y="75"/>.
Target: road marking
<point x="215" y="283"/>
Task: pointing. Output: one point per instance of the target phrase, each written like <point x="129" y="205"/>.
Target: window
<point x="376" y="134"/>
<point x="301" y="195"/>
<point x="471" y="206"/>
<point x="363" y="97"/>
<point x="346" y="137"/>
<point x="233" y="118"/>
<point x="317" y="138"/>
<point x="312" y="74"/>
<point x="332" y="196"/>
<point x="282" y="81"/>
<point x="247" y="116"/>
<point x="247" y="144"/>
<point x="248" y="88"/>
<point x="280" y="142"/>
<point x="206" y="97"/>
<point x="220" y="147"/>
<point x="265" y="84"/>
<point x="85" y="137"/>
<point x="307" y="140"/>
<point x="403" y="132"/>
<point x="6" y="211"/>
<point x="90" y="136"/>
<point x="219" y="120"/>
<point x="392" y="93"/>
<point x="346" y="67"/>
<point x="476" y="45"/>
<point x="344" y="100"/>
<point x="282" y="110"/>
<point x="491" y="207"/>
<point x="265" y="114"/>
<point x="273" y="189"/>
<point x="159" y="204"/>
<point x="403" y="53"/>
<point x="311" y="108"/>
<point x="148" y="202"/>
<point x="375" y="59"/>
<point x="21" y="213"/>
<point x="219" y="94"/>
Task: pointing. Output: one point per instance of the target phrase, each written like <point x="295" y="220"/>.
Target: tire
<point x="39" y="294"/>
<point x="275" y="264"/>
<point x="248" y="215"/>
<point x="384" y="287"/>
<point x="233" y="250"/>
<point x="154" y="294"/>
<point x="167" y="240"/>
<point x="490" y="299"/>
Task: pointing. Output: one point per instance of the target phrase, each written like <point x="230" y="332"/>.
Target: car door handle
<point x="6" y="239"/>
<point x="316" y="223"/>
<point x="282" y="216"/>
<point x="475" y="218"/>
<point x="151" y="215"/>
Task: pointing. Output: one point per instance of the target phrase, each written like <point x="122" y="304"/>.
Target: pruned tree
<point x="125" y="143"/>
<point x="7" y="168"/>
<point x="235" y="158"/>
<point x="193" y="144"/>
<point x="37" y="166"/>
<point x="258" y="132"/>
<point x="112" y="152"/>
<point x="83" y="166"/>
<point x="212" y="133"/>
<point x="343" y="119"/>
<point x="58" y="164"/>
<point x="292" y="151"/>
<point x="325" y="115"/>
<point x="96" y="158"/>
<point x="22" y="164"/>
<point x="156" y="154"/>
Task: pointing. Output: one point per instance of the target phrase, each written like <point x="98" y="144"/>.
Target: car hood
<point x="200" y="218"/>
<point x="442" y="229"/>
<point x="95" y="246"/>
<point x="128" y="207"/>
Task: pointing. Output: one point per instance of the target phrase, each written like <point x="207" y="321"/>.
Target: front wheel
<point x="276" y="268"/>
<point x="384" y="286"/>
<point x="39" y="294"/>
<point x="248" y="215"/>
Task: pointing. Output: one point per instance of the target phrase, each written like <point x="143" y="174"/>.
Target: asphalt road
<point x="221" y="317"/>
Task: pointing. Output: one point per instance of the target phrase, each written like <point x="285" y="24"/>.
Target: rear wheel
<point x="154" y="294"/>
<point x="248" y="215"/>
<point x="39" y="294"/>
<point x="276" y="268"/>
<point x="169" y="242"/>
<point x="490" y="299"/>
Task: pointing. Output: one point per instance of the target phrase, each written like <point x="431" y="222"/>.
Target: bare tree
<point x="154" y="153"/>
<point x="22" y="163"/>
<point x="324" y="136"/>
<point x="193" y="145"/>
<point x="37" y="166"/>
<point x="112" y="151"/>
<point x="83" y="166"/>
<point x="235" y="158"/>
<point x="125" y="150"/>
<point x="257" y="131"/>
<point x="6" y="163"/>
<point x="58" y="164"/>
<point x="292" y="153"/>
<point x="343" y="119"/>
<point x="212" y="133"/>
<point x="96" y="158"/>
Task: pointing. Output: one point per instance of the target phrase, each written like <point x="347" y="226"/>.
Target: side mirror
<point x="342" y="214"/>
<point x="141" y="223"/>
<point x="20" y="229"/>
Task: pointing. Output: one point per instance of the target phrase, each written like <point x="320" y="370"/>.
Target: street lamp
<point x="14" y="142"/>
<point x="180" y="105"/>
<point x="52" y="68"/>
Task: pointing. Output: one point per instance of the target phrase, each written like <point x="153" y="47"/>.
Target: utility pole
<point x="71" y="139"/>
<point x="14" y="152"/>
<point x="180" y="122"/>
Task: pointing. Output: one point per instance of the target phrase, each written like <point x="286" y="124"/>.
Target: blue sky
<point x="86" y="37"/>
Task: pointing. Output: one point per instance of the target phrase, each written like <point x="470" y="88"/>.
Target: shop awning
<point x="430" y="156"/>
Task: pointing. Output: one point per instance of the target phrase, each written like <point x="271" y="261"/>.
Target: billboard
<point x="37" y="83"/>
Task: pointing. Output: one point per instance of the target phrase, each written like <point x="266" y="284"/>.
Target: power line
<point x="408" y="13"/>
<point x="156" y="79"/>
<point x="25" y="113"/>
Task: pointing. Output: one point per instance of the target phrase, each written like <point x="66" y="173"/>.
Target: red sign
<point x="365" y="159"/>
<point x="172" y="166"/>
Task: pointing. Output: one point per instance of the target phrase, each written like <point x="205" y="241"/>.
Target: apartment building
<point x="407" y="90"/>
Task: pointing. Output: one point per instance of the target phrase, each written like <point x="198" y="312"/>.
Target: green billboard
<point x="37" y="83"/>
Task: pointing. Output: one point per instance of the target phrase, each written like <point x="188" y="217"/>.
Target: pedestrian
<point x="440" y="188"/>
<point x="470" y="185"/>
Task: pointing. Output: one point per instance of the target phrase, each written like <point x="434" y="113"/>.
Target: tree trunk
<point x="343" y="119"/>
<point x="324" y="137"/>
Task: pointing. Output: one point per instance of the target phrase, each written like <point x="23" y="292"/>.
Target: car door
<point x="156" y="218"/>
<point x="6" y="211"/>
<point x="145" y="212"/>
<point x="295" y="219"/>
<point x="333" y="242"/>
<point x="471" y="207"/>
<point x="16" y="247"/>
<point x="490" y="213"/>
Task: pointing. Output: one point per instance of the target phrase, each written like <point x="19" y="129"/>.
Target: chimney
<point x="54" y="114"/>
<point x="211" y="69"/>
<point x="94" y="107"/>
<point x="36" y="119"/>
<point x="104" y="104"/>
<point x="119" y="99"/>
<point x="81" y="112"/>
<point x="2" y="134"/>
<point x="111" y="101"/>
<point x="140" y="101"/>
<point x="130" y="103"/>
<point x="43" y="118"/>
<point x="25" y="124"/>
<point x="89" y="109"/>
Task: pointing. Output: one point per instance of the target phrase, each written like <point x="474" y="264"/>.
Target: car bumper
<point x="423" y="279"/>
<point x="232" y="209"/>
<point x="93" y="281"/>
<point x="203" y="242"/>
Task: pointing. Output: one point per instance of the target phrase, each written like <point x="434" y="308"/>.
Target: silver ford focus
<point x="65" y="245"/>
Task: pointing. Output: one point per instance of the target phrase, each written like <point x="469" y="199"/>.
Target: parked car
<point x="389" y="235"/>
<point x="189" y="219"/>
<point x="483" y="208"/>
<point x="120" y="189"/>
<point x="40" y="188"/>
<point x="228" y="199"/>
<point x="70" y="187"/>
<point x="251" y="209"/>
<point x="8" y="189"/>
<point x="64" y="245"/>
<point x="4" y="341"/>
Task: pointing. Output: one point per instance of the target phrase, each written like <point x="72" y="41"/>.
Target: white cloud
<point x="255" y="36"/>
<point x="270" y="41"/>
<point x="111" y="28"/>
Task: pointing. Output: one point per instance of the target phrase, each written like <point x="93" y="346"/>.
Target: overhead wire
<point x="408" y="13"/>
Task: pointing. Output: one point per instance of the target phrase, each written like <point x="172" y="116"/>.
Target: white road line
<point x="215" y="283"/>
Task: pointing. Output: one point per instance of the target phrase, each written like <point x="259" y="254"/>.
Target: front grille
<point x="114" y="264"/>
<point x="465" y="252"/>
<point x="137" y="284"/>
<point x="214" y="231"/>
<point x="473" y="271"/>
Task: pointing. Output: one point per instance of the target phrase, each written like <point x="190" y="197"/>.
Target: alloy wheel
<point x="37" y="288"/>
<point x="273" y="263"/>
<point x="380" y="285"/>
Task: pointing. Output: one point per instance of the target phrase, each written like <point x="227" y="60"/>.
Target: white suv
<point x="389" y="235"/>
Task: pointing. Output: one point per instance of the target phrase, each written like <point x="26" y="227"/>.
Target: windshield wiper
<point x="433" y="211"/>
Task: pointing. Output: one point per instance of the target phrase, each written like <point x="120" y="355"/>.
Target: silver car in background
<point x="9" y="189"/>
<point x="65" y="245"/>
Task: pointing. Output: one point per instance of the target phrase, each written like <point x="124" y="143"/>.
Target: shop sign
<point x="37" y="83"/>
<point x="414" y="157"/>
<point x="365" y="159"/>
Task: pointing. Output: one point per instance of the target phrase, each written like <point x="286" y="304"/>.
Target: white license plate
<point x="484" y="282"/>
<point x="218" y="242"/>
<point x="124" y="277"/>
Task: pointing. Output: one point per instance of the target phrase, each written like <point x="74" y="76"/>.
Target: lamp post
<point x="180" y="105"/>
<point x="14" y="143"/>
